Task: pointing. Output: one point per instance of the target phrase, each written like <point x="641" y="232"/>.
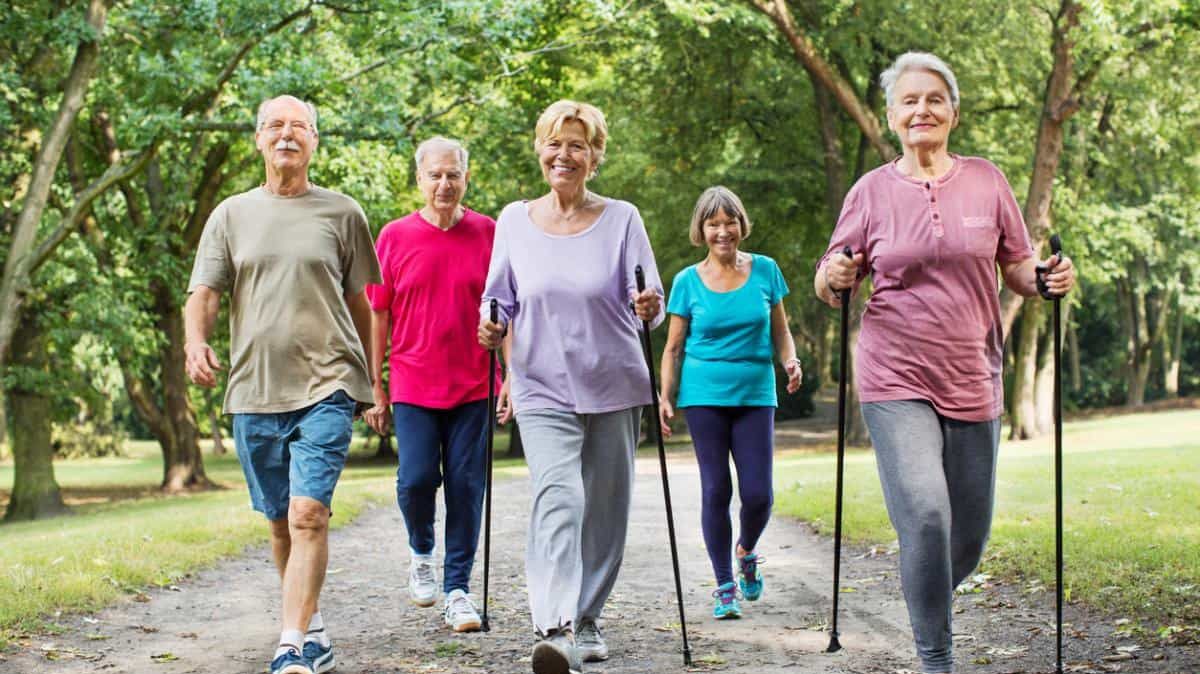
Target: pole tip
<point x="485" y="626"/>
<point x="834" y="644"/>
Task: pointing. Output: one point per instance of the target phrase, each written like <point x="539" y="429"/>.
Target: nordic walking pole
<point x="662" y="465"/>
<point x="834" y="644"/>
<point x="491" y="432"/>
<point x="1056" y="249"/>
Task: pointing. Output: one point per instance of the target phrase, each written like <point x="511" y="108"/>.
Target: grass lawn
<point x="1131" y="511"/>
<point x="114" y="545"/>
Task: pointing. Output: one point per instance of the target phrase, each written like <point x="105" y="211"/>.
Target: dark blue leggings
<point x="749" y="434"/>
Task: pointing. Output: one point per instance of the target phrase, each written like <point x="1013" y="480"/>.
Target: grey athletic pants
<point x="939" y="477"/>
<point x="581" y="470"/>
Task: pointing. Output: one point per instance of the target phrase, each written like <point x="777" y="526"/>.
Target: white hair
<point x="262" y="111"/>
<point x="436" y="142"/>
<point x="916" y="60"/>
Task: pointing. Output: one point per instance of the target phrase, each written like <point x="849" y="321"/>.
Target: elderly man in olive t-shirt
<point x="295" y="259"/>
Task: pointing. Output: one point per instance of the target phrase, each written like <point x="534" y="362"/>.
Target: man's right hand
<point x="379" y="417"/>
<point x="200" y="361"/>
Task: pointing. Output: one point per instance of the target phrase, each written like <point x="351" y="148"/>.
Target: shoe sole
<point x="473" y="626"/>
<point x="295" y="669"/>
<point x="423" y="603"/>
<point x="728" y="616"/>
<point x="549" y="660"/>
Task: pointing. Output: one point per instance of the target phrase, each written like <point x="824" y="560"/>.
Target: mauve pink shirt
<point x="931" y="330"/>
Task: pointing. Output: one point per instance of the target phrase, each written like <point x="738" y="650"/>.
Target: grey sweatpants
<point x="939" y="478"/>
<point x="581" y="470"/>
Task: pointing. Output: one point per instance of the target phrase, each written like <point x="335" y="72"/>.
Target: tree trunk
<point x="21" y="252"/>
<point x="1023" y="408"/>
<point x="1073" y="349"/>
<point x="1173" y="352"/>
<point x="516" y="448"/>
<point x="3" y="424"/>
<point x="183" y="463"/>
<point x="1044" y="384"/>
<point x="35" y="492"/>
<point x="214" y="420"/>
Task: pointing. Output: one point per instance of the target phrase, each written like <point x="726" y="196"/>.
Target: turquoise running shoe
<point x="750" y="579"/>
<point x="726" y="605"/>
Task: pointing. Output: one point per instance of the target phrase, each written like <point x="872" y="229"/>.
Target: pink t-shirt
<point x="931" y="329"/>
<point x="432" y="282"/>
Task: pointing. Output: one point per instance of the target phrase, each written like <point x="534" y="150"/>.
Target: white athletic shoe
<point x="460" y="613"/>
<point x="422" y="581"/>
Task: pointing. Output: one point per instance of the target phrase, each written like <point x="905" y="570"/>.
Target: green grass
<point x="1131" y="511"/>
<point x="114" y="546"/>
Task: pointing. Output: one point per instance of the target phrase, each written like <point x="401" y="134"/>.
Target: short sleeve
<point x="380" y="294"/>
<point x="851" y="228"/>
<point x="680" y="301"/>
<point x="639" y="253"/>
<point x="360" y="266"/>
<point x="213" y="267"/>
<point x="1014" y="243"/>
<point x="501" y="284"/>
<point x="779" y="287"/>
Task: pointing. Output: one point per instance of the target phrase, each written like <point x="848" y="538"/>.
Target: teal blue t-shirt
<point x="728" y="354"/>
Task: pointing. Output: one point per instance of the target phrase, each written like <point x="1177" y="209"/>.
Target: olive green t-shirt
<point x="288" y="264"/>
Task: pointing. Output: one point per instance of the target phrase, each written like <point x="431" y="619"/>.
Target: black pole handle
<point x="495" y="310"/>
<point x="640" y="277"/>
<point x="1041" y="270"/>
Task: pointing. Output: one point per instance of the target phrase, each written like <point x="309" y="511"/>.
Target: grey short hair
<point x="717" y="198"/>
<point x="261" y="118"/>
<point x="449" y="143"/>
<point x="916" y="60"/>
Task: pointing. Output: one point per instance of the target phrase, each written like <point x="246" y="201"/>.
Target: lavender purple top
<point x="931" y="330"/>
<point x="576" y="341"/>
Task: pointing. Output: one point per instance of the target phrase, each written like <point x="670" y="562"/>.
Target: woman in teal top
<point x="727" y="323"/>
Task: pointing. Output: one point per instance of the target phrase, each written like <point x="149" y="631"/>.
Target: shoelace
<point x="459" y="605"/>
<point x="750" y="567"/>
<point x="425" y="573"/>
<point x="726" y="596"/>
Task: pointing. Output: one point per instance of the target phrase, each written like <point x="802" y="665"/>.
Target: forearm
<point x="380" y="325"/>
<point x="200" y="315"/>
<point x="672" y="356"/>
<point x="506" y="348"/>
<point x="1021" y="277"/>
<point x="781" y="335"/>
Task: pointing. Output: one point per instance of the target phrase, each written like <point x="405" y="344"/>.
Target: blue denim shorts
<point x="297" y="453"/>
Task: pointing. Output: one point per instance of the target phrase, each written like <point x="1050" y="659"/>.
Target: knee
<point x="307" y="516"/>
<point x="717" y="496"/>
<point x="929" y="525"/>
<point x="417" y="483"/>
<point x="758" y="503"/>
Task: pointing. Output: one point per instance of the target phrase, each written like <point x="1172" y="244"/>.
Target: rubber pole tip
<point x="834" y="645"/>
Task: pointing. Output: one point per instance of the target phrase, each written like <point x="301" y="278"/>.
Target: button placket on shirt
<point x="935" y="215"/>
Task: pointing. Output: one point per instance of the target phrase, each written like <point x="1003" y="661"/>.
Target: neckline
<point x="271" y="195"/>
<point x="895" y="172"/>
<point x="607" y="204"/>
<point x="449" y="229"/>
<point x="749" y="273"/>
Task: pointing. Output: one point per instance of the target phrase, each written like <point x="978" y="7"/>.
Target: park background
<point x="125" y="122"/>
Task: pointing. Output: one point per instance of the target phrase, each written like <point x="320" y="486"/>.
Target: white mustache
<point x="287" y="145"/>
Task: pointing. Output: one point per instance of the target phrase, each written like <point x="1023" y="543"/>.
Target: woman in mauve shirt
<point x="562" y="276"/>
<point x="930" y="228"/>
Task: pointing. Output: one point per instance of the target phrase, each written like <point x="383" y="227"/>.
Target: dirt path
<point x="225" y="619"/>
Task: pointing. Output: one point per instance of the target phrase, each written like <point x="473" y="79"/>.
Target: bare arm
<point x="199" y="317"/>
<point x="785" y="346"/>
<point x="672" y="357"/>
<point x="381" y="322"/>
<point x="1021" y="277"/>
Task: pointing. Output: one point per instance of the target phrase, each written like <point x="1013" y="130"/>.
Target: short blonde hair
<point x="717" y="198"/>
<point x="551" y="121"/>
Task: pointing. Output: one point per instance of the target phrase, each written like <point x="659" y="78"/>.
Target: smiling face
<point x="287" y="137"/>
<point x="722" y="233"/>
<point x="566" y="158"/>
<point x="441" y="179"/>
<point x="921" y="112"/>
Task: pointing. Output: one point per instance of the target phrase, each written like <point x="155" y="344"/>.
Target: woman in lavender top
<point x="562" y="273"/>
<point x="931" y="228"/>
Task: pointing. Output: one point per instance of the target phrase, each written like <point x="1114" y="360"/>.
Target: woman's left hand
<point x="794" y="373"/>
<point x="1061" y="275"/>
<point x="647" y="304"/>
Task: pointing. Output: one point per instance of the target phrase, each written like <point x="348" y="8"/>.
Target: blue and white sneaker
<point x="291" y="662"/>
<point x="750" y="579"/>
<point x="319" y="657"/>
<point x="726" y="605"/>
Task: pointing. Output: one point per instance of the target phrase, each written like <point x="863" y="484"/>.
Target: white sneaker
<point x="460" y="613"/>
<point x="422" y="581"/>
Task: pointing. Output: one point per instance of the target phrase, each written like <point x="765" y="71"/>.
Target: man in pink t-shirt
<point x="434" y="263"/>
